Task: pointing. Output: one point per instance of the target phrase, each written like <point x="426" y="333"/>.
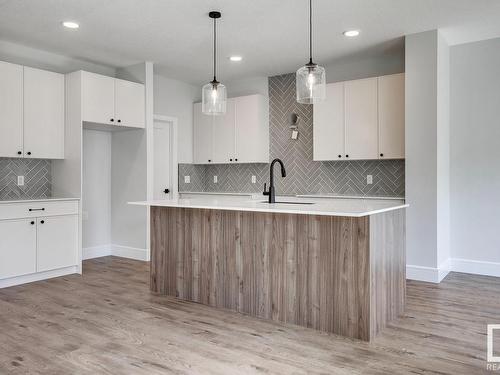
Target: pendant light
<point x="310" y="79"/>
<point x="214" y="96"/>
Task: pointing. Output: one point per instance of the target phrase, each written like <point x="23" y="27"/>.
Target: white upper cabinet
<point x="203" y="132"/>
<point x="251" y="129"/>
<point x="11" y="110"/>
<point x="111" y="101"/>
<point x="98" y="96"/>
<point x="391" y="116"/>
<point x="43" y="114"/>
<point x="31" y="112"/>
<point x="361" y="119"/>
<point x="223" y="135"/>
<point x="241" y="135"/>
<point x="129" y="104"/>
<point x="329" y="125"/>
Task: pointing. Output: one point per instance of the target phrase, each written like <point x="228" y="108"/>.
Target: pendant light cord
<point x="215" y="47"/>
<point x="310" y="33"/>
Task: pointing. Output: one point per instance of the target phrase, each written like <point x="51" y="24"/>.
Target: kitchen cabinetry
<point x="39" y="240"/>
<point x="361" y="120"/>
<point x="31" y="112"/>
<point x="43" y="114"/>
<point x="11" y="110"/>
<point x="17" y="248"/>
<point x="112" y="101"/>
<point x="391" y="116"/>
<point x="329" y="125"/>
<point x="239" y="136"/>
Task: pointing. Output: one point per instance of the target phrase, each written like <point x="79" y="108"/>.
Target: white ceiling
<point x="271" y="35"/>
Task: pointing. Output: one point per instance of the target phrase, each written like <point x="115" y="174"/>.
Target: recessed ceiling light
<point x="236" y="58"/>
<point x="71" y="25"/>
<point x="351" y="33"/>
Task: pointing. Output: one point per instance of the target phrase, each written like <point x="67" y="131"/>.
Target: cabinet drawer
<point x="37" y="208"/>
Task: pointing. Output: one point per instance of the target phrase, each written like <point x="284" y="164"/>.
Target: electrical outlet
<point x="215" y="179"/>
<point x="369" y="179"/>
<point x="254" y="179"/>
<point x="187" y="179"/>
<point x="20" y="180"/>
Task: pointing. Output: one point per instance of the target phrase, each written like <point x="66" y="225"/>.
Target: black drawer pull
<point x="37" y="209"/>
<point x="42" y="222"/>
<point x="32" y="223"/>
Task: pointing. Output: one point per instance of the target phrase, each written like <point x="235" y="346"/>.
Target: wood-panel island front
<point x="339" y="274"/>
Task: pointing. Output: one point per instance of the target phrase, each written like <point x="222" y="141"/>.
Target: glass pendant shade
<point x="311" y="84"/>
<point x="214" y="99"/>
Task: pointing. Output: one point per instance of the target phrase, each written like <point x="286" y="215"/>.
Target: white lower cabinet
<point x="34" y="247"/>
<point x="57" y="242"/>
<point x="17" y="247"/>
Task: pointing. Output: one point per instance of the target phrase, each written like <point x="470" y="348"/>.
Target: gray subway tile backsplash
<point x="37" y="179"/>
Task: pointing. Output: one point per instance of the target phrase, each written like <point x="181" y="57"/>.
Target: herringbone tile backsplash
<point x="304" y="176"/>
<point x="37" y="179"/>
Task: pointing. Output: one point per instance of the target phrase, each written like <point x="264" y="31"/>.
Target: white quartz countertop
<point x="39" y="200"/>
<point x="316" y="206"/>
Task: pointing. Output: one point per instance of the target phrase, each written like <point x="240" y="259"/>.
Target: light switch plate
<point x="369" y="179"/>
<point x="215" y="179"/>
<point x="254" y="179"/>
<point x="20" y="180"/>
<point x="187" y="179"/>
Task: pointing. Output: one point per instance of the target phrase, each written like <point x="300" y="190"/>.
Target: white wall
<point x="96" y="194"/>
<point x="19" y="54"/>
<point x="175" y="98"/>
<point x="421" y="149"/>
<point x="475" y="155"/>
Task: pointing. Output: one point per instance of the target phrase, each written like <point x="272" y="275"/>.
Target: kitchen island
<point x="335" y="265"/>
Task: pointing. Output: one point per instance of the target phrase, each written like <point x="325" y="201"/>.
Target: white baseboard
<point x="115" y="250"/>
<point x="96" y="252"/>
<point x="436" y="275"/>
<point x="476" y="267"/>
<point x="18" y="280"/>
<point x="130" y="252"/>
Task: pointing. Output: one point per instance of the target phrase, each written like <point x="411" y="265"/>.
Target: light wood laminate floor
<point x="107" y="322"/>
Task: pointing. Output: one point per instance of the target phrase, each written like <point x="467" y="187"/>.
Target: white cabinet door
<point x="11" y="110"/>
<point x="361" y="119"/>
<point x="17" y="247"/>
<point x="43" y="114"/>
<point x="98" y="97"/>
<point x="129" y="104"/>
<point x="391" y="116"/>
<point x="203" y="128"/>
<point x="223" y="135"/>
<point x="57" y="242"/>
<point x="252" y="129"/>
<point x="329" y="125"/>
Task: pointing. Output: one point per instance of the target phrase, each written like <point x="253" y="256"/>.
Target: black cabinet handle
<point x="347" y="156"/>
<point x="340" y="156"/>
<point x="32" y="223"/>
<point x="209" y="160"/>
<point x="19" y="153"/>
<point x="119" y="120"/>
<point x="28" y="153"/>
<point x="42" y="221"/>
<point x="230" y="159"/>
<point x="235" y="159"/>
<point x="166" y="191"/>
<point x="112" y="119"/>
<point x="382" y="155"/>
<point x="37" y="209"/>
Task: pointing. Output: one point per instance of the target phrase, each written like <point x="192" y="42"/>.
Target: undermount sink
<point x="287" y="202"/>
